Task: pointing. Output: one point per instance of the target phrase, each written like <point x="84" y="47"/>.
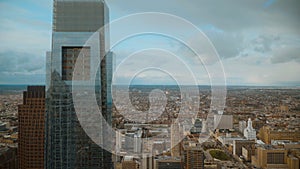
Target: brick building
<point x="31" y="116"/>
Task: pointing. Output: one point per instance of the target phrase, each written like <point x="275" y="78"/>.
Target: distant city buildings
<point x="8" y="157"/>
<point x="9" y="103"/>
<point x="280" y="134"/>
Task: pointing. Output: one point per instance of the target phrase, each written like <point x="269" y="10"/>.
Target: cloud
<point x="250" y="36"/>
<point x="228" y="27"/>
<point x="25" y="33"/>
<point x="286" y="54"/>
<point x="227" y="44"/>
<point x="229" y="15"/>
<point x="246" y="71"/>
<point x="263" y="43"/>
<point x="12" y="62"/>
<point x="21" y="68"/>
<point x="268" y="3"/>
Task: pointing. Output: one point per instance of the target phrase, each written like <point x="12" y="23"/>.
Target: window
<point x="275" y="158"/>
<point x="71" y="55"/>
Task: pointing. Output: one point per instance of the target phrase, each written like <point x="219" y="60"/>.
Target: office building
<point x="137" y="143"/>
<point x="31" y="115"/>
<point x="176" y="134"/>
<point x="118" y="142"/>
<point x="238" y="145"/>
<point x="293" y="162"/>
<point x="129" y="142"/>
<point x="76" y="40"/>
<point x="193" y="156"/>
<point x="147" y="161"/>
<point x="129" y="163"/>
<point x="168" y="163"/>
<point x="268" y="157"/>
<point x="204" y="127"/>
<point x="269" y="133"/>
<point x="197" y="128"/>
<point x="248" y="151"/>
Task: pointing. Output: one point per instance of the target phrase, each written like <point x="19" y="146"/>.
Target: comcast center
<point x="76" y="40"/>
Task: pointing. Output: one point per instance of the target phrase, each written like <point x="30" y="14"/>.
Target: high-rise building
<point x="137" y="143"/>
<point x="129" y="142"/>
<point x="204" y="126"/>
<point x="31" y="115"/>
<point x="193" y="156"/>
<point x="118" y="142"/>
<point x="197" y="128"/>
<point x="176" y="135"/>
<point x="147" y="161"/>
<point x="76" y="40"/>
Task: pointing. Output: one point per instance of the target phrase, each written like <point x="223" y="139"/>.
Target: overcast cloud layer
<point x="258" y="41"/>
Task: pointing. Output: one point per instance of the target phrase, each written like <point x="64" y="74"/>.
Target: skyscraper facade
<point x="31" y="115"/>
<point x="193" y="156"/>
<point x="176" y="135"/>
<point x="76" y="40"/>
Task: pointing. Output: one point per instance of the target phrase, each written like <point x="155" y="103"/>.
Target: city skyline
<point x="257" y="41"/>
<point x="149" y="84"/>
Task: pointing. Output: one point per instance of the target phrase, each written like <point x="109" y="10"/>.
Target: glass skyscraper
<point x="75" y="24"/>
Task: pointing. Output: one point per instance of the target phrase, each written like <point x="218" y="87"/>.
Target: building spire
<point x="250" y="124"/>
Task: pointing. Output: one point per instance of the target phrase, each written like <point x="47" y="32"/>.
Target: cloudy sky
<point x="258" y="41"/>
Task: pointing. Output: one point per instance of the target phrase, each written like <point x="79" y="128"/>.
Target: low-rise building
<point x="268" y="133"/>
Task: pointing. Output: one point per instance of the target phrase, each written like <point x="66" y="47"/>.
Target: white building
<point x="118" y="142"/>
<point x="250" y="132"/>
<point x="242" y="126"/>
<point x="204" y="126"/>
<point x="137" y="144"/>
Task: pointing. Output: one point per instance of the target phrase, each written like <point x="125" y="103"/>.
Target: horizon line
<point x="228" y="85"/>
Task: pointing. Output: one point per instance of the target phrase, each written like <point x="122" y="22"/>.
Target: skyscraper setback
<point x="31" y="115"/>
<point x="76" y="40"/>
